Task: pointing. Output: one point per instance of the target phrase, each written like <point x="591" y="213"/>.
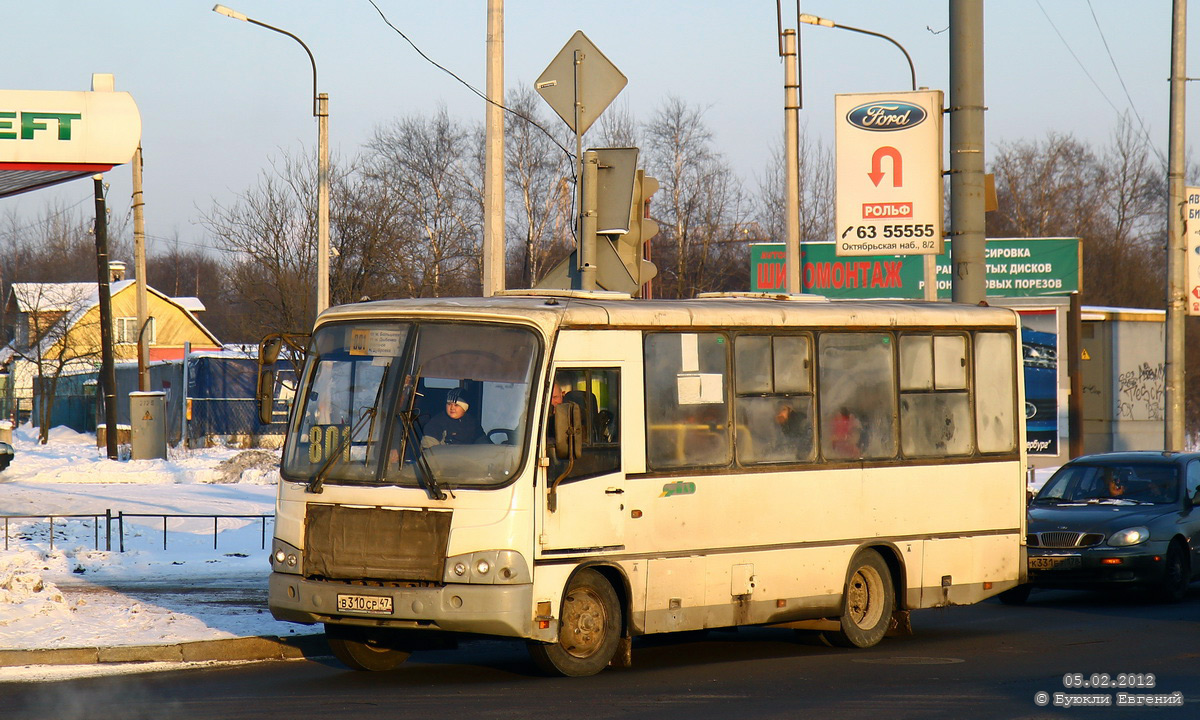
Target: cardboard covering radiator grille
<point x="364" y="543"/>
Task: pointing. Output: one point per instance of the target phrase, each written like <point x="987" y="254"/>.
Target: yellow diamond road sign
<point x="579" y="83"/>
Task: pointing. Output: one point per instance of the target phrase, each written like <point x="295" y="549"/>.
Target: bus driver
<point x="455" y="426"/>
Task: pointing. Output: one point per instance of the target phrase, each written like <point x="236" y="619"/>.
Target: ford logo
<point x="886" y="115"/>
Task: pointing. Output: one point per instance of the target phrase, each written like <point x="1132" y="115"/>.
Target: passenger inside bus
<point x="847" y="434"/>
<point x="455" y="426"/>
<point x="795" y="433"/>
<point x="564" y="383"/>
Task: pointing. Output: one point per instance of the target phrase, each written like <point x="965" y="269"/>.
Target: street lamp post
<point x="321" y="112"/>
<point x="930" y="261"/>
<point x="814" y="20"/>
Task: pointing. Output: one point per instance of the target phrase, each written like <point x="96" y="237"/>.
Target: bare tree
<point x="619" y="128"/>
<point x="700" y="206"/>
<point x="818" y="180"/>
<point x="181" y="270"/>
<point x="538" y="195"/>
<point x="427" y="165"/>
<point x="1112" y="200"/>
<point x="270" y="232"/>
<point x="58" y="331"/>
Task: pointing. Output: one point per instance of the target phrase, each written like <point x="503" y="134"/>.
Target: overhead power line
<point x="468" y="85"/>
<point x="1092" y="79"/>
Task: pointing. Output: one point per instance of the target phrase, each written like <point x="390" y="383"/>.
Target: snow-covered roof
<point x="76" y="299"/>
<point x="61" y="297"/>
<point x="189" y="303"/>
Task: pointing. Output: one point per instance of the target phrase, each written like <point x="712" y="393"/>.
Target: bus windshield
<point x="420" y="403"/>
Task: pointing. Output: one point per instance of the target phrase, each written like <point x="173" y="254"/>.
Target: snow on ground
<point x="79" y="593"/>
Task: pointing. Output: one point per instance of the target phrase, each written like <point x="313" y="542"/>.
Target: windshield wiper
<point x="408" y="419"/>
<point x="316" y="485"/>
<point x="1048" y="501"/>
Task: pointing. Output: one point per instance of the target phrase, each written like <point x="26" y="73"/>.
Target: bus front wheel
<point x="867" y="604"/>
<point x="589" y="629"/>
<point x="360" y="651"/>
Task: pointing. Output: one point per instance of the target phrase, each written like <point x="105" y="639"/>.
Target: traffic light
<point x="623" y="226"/>
<point x="630" y="245"/>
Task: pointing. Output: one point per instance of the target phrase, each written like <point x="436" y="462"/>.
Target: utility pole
<point x="791" y="117"/>
<point x="322" y="200"/>
<point x="588" y="221"/>
<point x="1174" y="433"/>
<point x="493" y="177"/>
<point x="968" y="234"/>
<point x="139" y="269"/>
<point x="108" y="371"/>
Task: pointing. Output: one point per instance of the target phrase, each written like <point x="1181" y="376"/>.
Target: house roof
<point x="60" y="297"/>
<point x="76" y="299"/>
<point x="189" y="303"/>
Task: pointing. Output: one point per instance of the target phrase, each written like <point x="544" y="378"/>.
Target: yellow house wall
<point x="173" y="327"/>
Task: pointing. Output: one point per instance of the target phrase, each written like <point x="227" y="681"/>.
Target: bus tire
<point x="867" y="603"/>
<point x="361" y="651"/>
<point x="588" y="631"/>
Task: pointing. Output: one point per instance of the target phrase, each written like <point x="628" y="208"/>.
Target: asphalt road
<point x="983" y="661"/>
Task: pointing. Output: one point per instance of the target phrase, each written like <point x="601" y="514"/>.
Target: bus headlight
<point x="488" y="567"/>
<point x="284" y="557"/>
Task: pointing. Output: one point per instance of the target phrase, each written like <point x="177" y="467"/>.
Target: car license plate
<point x="374" y="604"/>
<point x="1071" y="562"/>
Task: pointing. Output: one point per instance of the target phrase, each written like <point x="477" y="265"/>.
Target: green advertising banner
<point x="1016" y="267"/>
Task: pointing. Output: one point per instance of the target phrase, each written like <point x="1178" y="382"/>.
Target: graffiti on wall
<point x="1140" y="393"/>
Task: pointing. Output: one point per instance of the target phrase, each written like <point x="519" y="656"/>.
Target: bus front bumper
<point x="505" y="610"/>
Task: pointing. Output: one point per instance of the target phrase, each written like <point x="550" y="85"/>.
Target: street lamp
<point x="814" y="20"/>
<point x="321" y="112"/>
<point x="930" y="262"/>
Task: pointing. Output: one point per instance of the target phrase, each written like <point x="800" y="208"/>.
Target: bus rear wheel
<point x="867" y="604"/>
<point x="361" y="651"/>
<point x="589" y="629"/>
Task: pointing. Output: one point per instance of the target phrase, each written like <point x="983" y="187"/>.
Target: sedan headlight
<point x="1129" y="536"/>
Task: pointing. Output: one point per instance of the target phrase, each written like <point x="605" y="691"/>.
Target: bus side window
<point x="597" y="392"/>
<point x="687" y="411"/>
<point x="935" y="410"/>
<point x="857" y="395"/>
<point x="995" y="387"/>
<point x="772" y="382"/>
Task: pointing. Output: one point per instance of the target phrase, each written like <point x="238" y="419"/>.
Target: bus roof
<point x="600" y="309"/>
<point x="591" y="310"/>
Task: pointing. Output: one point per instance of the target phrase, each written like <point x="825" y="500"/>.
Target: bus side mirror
<point x="268" y="353"/>
<point x="269" y="349"/>
<point x="266" y="395"/>
<point x="568" y="431"/>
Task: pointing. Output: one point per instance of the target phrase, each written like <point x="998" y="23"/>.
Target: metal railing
<point x="119" y="518"/>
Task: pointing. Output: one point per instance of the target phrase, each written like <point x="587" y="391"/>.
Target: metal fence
<point x="109" y="519"/>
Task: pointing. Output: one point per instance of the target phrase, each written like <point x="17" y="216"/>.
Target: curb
<point x="242" y="648"/>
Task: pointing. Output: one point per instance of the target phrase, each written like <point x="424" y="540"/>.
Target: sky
<point x="219" y="99"/>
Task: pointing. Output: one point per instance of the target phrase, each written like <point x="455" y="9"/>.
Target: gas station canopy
<point x="50" y="137"/>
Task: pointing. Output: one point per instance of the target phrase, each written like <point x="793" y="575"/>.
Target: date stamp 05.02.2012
<point x="1116" y="690"/>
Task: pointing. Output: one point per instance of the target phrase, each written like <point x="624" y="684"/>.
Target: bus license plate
<point x="1054" y="563"/>
<point x="374" y="604"/>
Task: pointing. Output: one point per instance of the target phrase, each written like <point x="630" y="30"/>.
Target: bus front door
<point x="583" y="500"/>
